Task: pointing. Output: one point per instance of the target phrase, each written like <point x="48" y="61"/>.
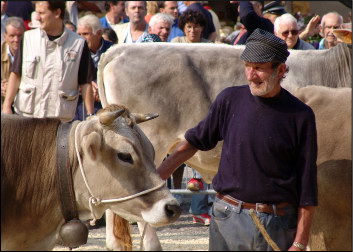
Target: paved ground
<point x="183" y="235"/>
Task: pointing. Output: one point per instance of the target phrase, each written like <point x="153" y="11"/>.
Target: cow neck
<point x="64" y="173"/>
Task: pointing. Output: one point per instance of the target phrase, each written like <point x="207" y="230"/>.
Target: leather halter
<point x="64" y="174"/>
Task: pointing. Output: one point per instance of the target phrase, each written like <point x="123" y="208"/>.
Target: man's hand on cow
<point x="95" y="91"/>
<point x="3" y="87"/>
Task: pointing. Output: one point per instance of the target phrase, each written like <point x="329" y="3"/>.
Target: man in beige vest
<point x="13" y="33"/>
<point x="48" y="69"/>
<point x="137" y="29"/>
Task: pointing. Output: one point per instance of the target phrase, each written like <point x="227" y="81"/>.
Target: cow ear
<point x="139" y="118"/>
<point x="91" y="144"/>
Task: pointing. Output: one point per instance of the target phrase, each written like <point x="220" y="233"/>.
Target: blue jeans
<point x="232" y="229"/>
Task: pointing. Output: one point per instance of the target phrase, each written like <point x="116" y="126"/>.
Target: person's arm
<point x="305" y="217"/>
<point x="87" y="96"/>
<point x="12" y="88"/>
<point x="183" y="152"/>
<point x="311" y="29"/>
<point x="251" y="20"/>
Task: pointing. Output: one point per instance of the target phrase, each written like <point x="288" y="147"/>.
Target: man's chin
<point x="257" y="91"/>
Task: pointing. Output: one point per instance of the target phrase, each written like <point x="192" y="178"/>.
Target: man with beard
<point x="268" y="160"/>
<point x="135" y="30"/>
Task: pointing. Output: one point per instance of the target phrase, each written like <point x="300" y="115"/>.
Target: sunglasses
<point x="293" y="32"/>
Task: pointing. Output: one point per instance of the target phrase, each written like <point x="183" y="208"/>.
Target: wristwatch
<point x="299" y="245"/>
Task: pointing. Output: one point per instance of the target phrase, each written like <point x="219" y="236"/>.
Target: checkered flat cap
<point x="263" y="46"/>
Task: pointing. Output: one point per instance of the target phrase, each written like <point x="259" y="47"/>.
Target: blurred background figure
<point x="3" y="18"/>
<point x="136" y="29"/>
<point x="329" y="22"/>
<point x="192" y="23"/>
<point x="273" y="10"/>
<point x="171" y="8"/>
<point x="250" y="14"/>
<point x="209" y="31"/>
<point x="71" y="12"/>
<point x="22" y="9"/>
<point x="160" y="25"/>
<point x="89" y="27"/>
<point x="215" y="20"/>
<point x="13" y="33"/>
<point x="152" y="9"/>
<point x="286" y="28"/>
<point x="115" y="11"/>
<point x="69" y="25"/>
<point x="110" y="35"/>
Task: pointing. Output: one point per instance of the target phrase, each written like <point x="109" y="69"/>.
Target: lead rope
<point x="263" y="230"/>
<point x="94" y="201"/>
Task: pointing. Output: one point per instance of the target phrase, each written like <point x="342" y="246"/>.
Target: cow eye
<point x="125" y="157"/>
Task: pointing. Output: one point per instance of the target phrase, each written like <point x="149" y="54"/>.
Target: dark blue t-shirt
<point x="269" y="147"/>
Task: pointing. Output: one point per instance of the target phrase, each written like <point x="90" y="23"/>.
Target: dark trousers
<point x="81" y="110"/>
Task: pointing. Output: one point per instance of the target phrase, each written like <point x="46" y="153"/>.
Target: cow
<point x="111" y="159"/>
<point x="332" y="224"/>
<point x="180" y="85"/>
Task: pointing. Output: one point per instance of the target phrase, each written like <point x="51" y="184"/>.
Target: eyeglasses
<point x="293" y="32"/>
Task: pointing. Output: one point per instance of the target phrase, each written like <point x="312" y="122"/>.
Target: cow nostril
<point x="172" y="211"/>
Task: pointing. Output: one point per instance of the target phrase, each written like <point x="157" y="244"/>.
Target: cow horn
<point x="107" y="117"/>
<point x="139" y="118"/>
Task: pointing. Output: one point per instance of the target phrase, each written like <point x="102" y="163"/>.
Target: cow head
<point x="118" y="161"/>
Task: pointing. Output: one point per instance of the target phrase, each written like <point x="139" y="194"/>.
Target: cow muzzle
<point x="163" y="212"/>
<point x="173" y="212"/>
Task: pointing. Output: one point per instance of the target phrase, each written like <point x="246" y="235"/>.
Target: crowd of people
<point x="50" y="52"/>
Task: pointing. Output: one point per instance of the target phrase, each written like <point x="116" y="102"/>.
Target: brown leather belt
<point x="259" y="207"/>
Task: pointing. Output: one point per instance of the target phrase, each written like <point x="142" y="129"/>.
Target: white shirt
<point x="128" y="38"/>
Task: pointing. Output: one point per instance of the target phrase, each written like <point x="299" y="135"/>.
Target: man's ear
<point x="99" y="33"/>
<point x="321" y="32"/>
<point x="282" y="68"/>
<point x="57" y="13"/>
<point x="149" y="29"/>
